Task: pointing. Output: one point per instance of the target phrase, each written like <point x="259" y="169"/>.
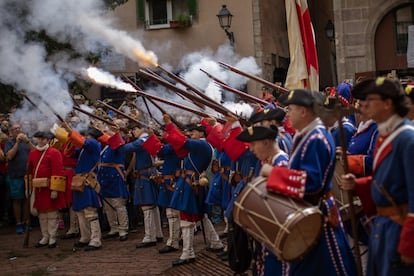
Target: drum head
<point x="306" y="228"/>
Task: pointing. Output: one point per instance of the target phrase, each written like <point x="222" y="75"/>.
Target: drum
<point x="288" y="227"/>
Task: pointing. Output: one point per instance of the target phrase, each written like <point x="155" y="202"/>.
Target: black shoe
<point x="109" y="236"/>
<point x="223" y="235"/>
<point x="221" y="254"/>
<point x="69" y="236"/>
<point x="80" y="244"/>
<point x="39" y="245"/>
<point x="92" y="248"/>
<point x="53" y="245"/>
<point x="123" y="238"/>
<point x="215" y="250"/>
<point x="225" y="258"/>
<point x="160" y="239"/>
<point x="183" y="261"/>
<point x="167" y="249"/>
<point x="146" y="244"/>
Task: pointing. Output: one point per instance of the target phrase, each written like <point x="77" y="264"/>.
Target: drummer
<point x="265" y="147"/>
<point x="314" y="152"/>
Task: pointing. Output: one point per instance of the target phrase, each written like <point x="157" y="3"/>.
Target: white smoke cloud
<point x="82" y="23"/>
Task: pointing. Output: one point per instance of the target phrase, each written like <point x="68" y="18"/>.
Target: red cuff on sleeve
<point x="205" y="123"/>
<point x="356" y="164"/>
<point x="233" y="147"/>
<point x="175" y="138"/>
<point x="76" y="138"/>
<point x="115" y="141"/>
<point x="406" y="245"/>
<point x="216" y="137"/>
<point x="152" y="145"/>
<point x="363" y="190"/>
<point x="287" y="182"/>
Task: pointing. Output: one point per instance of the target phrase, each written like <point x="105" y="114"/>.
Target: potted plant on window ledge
<point x="174" y="23"/>
<point x="184" y="20"/>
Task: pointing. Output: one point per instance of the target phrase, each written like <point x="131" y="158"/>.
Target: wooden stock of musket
<point x="250" y="76"/>
<point x="94" y="116"/>
<point x="220" y="109"/>
<point x="242" y="94"/>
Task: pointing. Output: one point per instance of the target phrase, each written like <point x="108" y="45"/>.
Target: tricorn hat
<point x="95" y="133"/>
<point x="43" y="134"/>
<point x="385" y="87"/>
<point x="257" y="133"/>
<point x="302" y="97"/>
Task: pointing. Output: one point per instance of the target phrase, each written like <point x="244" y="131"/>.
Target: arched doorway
<point x="391" y="39"/>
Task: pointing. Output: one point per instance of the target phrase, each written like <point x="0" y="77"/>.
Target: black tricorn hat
<point x="95" y="133"/>
<point x="385" y="87"/>
<point x="269" y="114"/>
<point x="302" y="97"/>
<point x="43" y="134"/>
<point x="256" y="133"/>
<point x="198" y="127"/>
<point x="277" y="114"/>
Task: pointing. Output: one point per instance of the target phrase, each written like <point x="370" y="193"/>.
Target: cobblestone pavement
<point x="115" y="257"/>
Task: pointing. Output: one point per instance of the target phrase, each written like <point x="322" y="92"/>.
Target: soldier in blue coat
<point x="111" y="177"/>
<point x="190" y="191"/>
<point x="146" y="192"/>
<point x="314" y="153"/>
<point x="87" y="150"/>
<point x="265" y="148"/>
<point x="390" y="189"/>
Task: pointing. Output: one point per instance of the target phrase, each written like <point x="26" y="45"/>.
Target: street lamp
<point x="330" y="30"/>
<point x="330" y="34"/>
<point x="225" y="17"/>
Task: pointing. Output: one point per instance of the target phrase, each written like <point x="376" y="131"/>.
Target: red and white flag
<point x="303" y="70"/>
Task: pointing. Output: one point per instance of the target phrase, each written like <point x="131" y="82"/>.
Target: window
<point x="404" y="17"/>
<point x="159" y="14"/>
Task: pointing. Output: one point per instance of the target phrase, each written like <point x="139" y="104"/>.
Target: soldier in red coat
<point x="45" y="174"/>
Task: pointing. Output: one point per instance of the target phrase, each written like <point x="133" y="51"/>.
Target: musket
<point x="149" y="111"/>
<point x="242" y="94"/>
<point x="51" y="109"/>
<point x="94" y="116"/>
<point x="181" y="96"/>
<point x="177" y="123"/>
<point x="186" y="84"/>
<point x="349" y="193"/>
<point x="117" y="111"/>
<point x="139" y="91"/>
<point x="174" y="88"/>
<point x="180" y="106"/>
<point x="250" y="76"/>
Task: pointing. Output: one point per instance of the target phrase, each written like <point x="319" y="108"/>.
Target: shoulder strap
<point x="388" y="140"/>
<point x="38" y="163"/>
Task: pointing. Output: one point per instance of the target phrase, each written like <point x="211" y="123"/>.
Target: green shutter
<point x="141" y="10"/>
<point x="192" y="7"/>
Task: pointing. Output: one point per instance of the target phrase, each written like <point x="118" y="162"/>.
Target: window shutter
<point x="141" y="10"/>
<point x="192" y="7"/>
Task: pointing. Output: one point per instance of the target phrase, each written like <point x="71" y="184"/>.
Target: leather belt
<point x="397" y="213"/>
<point x="118" y="167"/>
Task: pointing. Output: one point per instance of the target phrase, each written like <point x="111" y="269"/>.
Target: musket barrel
<point x="227" y="87"/>
<point x="250" y="76"/>
<point x="94" y="116"/>
<point x="172" y="87"/>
